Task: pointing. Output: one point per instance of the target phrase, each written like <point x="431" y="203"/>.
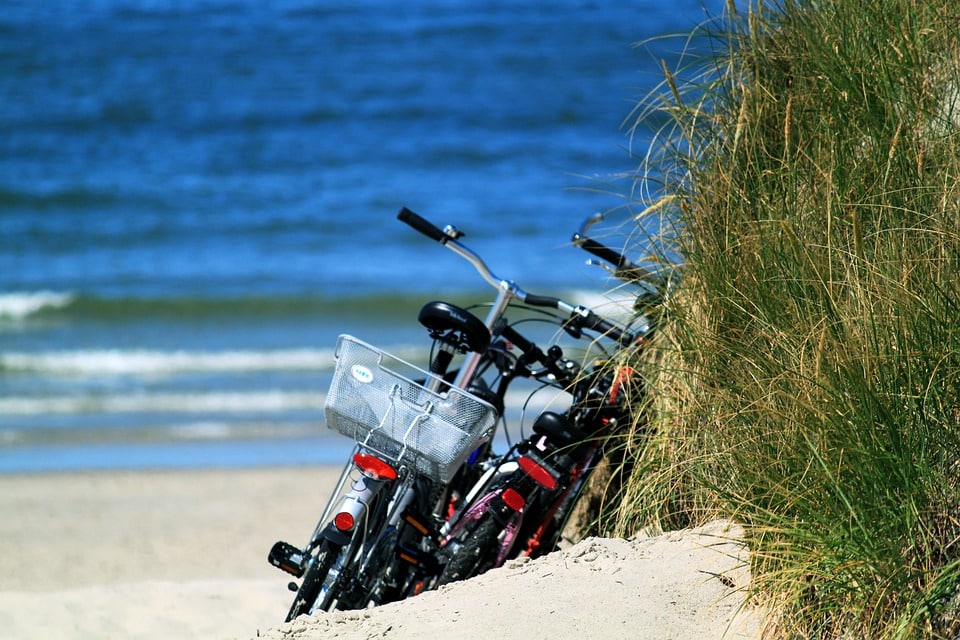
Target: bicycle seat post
<point x="506" y="292"/>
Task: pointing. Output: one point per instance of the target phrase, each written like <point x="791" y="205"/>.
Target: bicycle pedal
<point x="287" y="557"/>
<point x="417" y="558"/>
<point x="420" y="523"/>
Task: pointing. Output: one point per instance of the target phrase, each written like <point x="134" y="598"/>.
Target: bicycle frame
<point x="507" y="292"/>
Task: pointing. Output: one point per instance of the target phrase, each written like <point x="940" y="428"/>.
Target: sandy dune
<point x="181" y="554"/>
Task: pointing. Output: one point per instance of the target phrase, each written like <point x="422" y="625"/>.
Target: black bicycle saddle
<point x="442" y="318"/>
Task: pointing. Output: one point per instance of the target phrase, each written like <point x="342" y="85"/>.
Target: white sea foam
<point x="212" y="402"/>
<point x="232" y="402"/>
<point x="17" y="306"/>
<point x="151" y="362"/>
<point x="616" y="304"/>
<point x="225" y="430"/>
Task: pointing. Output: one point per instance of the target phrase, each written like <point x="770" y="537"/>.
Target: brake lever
<point x="572" y="328"/>
<point x="602" y="265"/>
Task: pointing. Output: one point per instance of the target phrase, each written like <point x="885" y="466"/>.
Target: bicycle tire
<point x="313" y="579"/>
<point x="552" y="518"/>
<point x="476" y="555"/>
<point x="376" y="578"/>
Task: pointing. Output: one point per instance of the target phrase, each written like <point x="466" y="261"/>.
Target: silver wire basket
<point x="375" y="400"/>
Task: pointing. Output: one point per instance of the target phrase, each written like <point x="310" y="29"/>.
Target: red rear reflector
<point x="373" y="467"/>
<point x="343" y="521"/>
<point x="513" y="499"/>
<point x="539" y="474"/>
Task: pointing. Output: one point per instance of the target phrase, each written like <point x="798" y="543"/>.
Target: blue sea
<point x="198" y="196"/>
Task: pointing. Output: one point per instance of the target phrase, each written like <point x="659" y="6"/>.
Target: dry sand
<point x="182" y="554"/>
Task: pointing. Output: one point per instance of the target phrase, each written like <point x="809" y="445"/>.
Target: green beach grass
<point x="807" y="381"/>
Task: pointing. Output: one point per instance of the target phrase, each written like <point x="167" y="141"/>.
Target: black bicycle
<point x="523" y="509"/>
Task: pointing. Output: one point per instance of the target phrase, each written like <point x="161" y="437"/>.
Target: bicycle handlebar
<point x="448" y="238"/>
<point x="424" y="226"/>
<point x="580" y="317"/>
<point x="623" y="269"/>
<point x="562" y="369"/>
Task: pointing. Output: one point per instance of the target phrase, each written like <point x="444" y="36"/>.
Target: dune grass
<point x="808" y="384"/>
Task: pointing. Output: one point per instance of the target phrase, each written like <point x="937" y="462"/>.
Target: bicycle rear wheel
<point x="476" y="555"/>
<point x="313" y="579"/>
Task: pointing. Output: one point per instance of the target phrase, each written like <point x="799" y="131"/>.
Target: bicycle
<point x="523" y="507"/>
<point x="422" y="441"/>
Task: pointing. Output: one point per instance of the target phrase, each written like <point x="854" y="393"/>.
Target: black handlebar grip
<point x="625" y="269"/>
<point x="542" y="301"/>
<point x="422" y="225"/>
<point x="604" y="252"/>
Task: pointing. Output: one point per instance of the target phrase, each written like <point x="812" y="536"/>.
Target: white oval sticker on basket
<point x="361" y="373"/>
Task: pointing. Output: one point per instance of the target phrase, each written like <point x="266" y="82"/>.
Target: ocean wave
<point x="110" y="362"/>
<point x="17" y="306"/>
<point x="614" y="304"/>
<point x="203" y="430"/>
<point x="374" y="306"/>
<point x="227" y="402"/>
<point x="265" y="401"/>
